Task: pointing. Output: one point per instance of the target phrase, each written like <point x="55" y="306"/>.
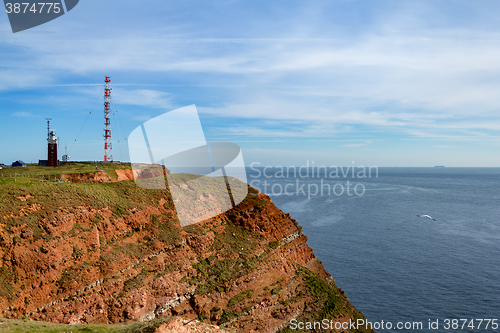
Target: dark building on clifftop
<point x="18" y="163"/>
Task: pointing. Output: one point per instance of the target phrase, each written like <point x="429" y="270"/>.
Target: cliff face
<point x="112" y="252"/>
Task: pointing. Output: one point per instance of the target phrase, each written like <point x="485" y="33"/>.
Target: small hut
<point x="19" y="163"/>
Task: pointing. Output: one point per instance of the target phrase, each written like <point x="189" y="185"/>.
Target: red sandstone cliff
<point x="108" y="253"/>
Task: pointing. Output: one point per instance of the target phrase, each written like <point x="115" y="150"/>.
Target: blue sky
<point x="385" y="83"/>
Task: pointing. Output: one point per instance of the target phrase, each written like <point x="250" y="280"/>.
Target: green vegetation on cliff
<point x="30" y="326"/>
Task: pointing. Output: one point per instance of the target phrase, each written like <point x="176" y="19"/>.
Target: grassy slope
<point x="31" y="326"/>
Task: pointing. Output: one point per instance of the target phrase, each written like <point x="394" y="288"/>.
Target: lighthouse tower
<point x="52" y="148"/>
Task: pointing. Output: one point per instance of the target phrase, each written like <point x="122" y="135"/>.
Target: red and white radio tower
<point x="108" y="156"/>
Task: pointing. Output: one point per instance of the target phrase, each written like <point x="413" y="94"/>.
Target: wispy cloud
<point x="315" y="119"/>
<point x="354" y="145"/>
<point x="23" y="114"/>
<point x="143" y="98"/>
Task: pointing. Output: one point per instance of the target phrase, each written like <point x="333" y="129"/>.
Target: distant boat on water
<point x="439" y="166"/>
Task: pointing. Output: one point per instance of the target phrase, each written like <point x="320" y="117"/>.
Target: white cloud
<point x="143" y="98"/>
<point x="354" y="145"/>
<point x="23" y="114"/>
<point x="313" y="119"/>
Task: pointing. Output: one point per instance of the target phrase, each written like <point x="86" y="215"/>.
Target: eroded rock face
<point x="105" y="177"/>
<point x="249" y="269"/>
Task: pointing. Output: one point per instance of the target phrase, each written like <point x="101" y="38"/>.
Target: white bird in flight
<point x="426" y="216"/>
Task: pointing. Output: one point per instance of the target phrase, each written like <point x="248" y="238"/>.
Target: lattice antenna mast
<point x="48" y="127"/>
<point x="108" y="155"/>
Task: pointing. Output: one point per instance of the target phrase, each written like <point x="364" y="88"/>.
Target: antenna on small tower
<point x="108" y="157"/>
<point x="48" y="127"/>
<point x="65" y="157"/>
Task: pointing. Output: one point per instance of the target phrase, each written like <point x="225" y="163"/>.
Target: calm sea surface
<point x="393" y="265"/>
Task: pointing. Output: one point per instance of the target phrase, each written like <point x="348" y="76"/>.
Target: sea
<point x="398" y="269"/>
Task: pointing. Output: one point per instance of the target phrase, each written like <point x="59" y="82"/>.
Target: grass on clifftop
<point x="21" y="188"/>
<point x="32" y="171"/>
<point x="32" y="326"/>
